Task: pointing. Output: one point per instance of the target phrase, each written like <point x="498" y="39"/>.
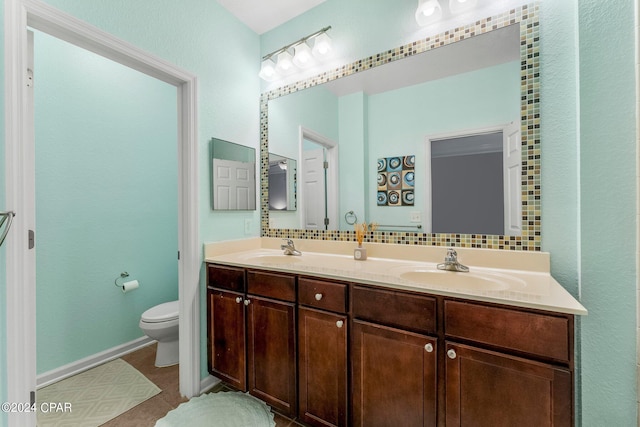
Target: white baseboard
<point x="208" y="383"/>
<point x="89" y="362"/>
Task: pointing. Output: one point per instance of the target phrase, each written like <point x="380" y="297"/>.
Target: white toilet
<point x="161" y="324"/>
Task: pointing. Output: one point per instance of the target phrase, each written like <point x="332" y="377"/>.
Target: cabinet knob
<point x="339" y="323"/>
<point x="238" y="300"/>
<point x="247" y="302"/>
<point x="451" y="353"/>
<point x="429" y="347"/>
<point x="318" y="297"/>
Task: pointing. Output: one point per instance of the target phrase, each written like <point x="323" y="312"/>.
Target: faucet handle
<point x="452" y="255"/>
<point x="289" y="242"/>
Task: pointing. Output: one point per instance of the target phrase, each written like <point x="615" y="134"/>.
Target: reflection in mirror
<point x="481" y="169"/>
<point x="478" y="76"/>
<point x="283" y="183"/>
<point x="233" y="176"/>
<point x="393" y="110"/>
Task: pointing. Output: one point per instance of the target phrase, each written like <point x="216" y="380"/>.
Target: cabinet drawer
<point x="395" y="308"/>
<point x="272" y="285"/>
<point x="534" y="333"/>
<point x="321" y="294"/>
<point x="231" y="278"/>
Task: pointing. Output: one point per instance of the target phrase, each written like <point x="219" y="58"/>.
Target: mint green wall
<point x="608" y="161"/>
<point x="203" y="38"/>
<point x="400" y="120"/>
<point x="106" y="200"/>
<point x="353" y="157"/>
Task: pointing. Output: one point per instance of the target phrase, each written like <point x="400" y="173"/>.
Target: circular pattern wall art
<point x="396" y="181"/>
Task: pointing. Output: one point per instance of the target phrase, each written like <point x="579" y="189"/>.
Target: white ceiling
<point x="264" y="15"/>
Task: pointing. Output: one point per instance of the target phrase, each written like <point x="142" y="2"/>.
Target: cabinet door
<point x="272" y="353"/>
<point x="322" y="367"/>
<point x="394" y="377"/>
<point x="492" y="389"/>
<point x="226" y="337"/>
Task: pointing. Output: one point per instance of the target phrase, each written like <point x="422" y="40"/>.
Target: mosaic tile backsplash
<point x="527" y="17"/>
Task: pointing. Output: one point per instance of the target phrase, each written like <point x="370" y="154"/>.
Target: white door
<point x="234" y="185"/>
<point x="314" y="189"/>
<point x="512" y="163"/>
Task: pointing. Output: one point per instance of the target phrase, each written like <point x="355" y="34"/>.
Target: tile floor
<point x="147" y="413"/>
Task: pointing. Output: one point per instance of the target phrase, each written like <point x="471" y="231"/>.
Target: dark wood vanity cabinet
<point x="332" y="354"/>
<point x="514" y="368"/>
<point x="251" y="333"/>
<point x="226" y="325"/>
<point x="394" y="358"/>
<point x="322" y="352"/>
<point x="271" y="339"/>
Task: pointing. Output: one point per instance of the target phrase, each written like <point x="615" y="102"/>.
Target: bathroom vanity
<point x="338" y="347"/>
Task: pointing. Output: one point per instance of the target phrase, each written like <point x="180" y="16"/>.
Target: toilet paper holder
<point x="123" y="276"/>
<point x="126" y="286"/>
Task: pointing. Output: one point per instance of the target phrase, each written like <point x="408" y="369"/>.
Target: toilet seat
<point x="161" y="313"/>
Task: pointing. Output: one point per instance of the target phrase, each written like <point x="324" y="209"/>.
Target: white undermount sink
<point x="470" y="281"/>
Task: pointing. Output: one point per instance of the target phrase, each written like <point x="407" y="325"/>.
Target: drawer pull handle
<point x="318" y="297"/>
<point x="247" y="302"/>
<point x="451" y="353"/>
<point x="339" y="323"/>
<point x="238" y="300"/>
<point x="429" y="347"/>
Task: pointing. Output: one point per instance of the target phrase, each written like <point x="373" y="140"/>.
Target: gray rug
<point x="95" y="396"/>
<point x="223" y="409"/>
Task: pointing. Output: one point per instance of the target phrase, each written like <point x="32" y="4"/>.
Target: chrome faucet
<point x="451" y="262"/>
<point x="290" y="248"/>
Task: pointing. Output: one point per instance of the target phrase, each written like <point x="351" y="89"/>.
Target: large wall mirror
<point x="436" y="141"/>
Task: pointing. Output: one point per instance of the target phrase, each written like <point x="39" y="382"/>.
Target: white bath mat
<point x="223" y="409"/>
<point x="93" y="397"/>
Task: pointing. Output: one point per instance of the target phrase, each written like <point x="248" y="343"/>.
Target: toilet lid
<point x="161" y="312"/>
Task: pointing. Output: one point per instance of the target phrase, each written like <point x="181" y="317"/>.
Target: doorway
<point x="20" y="196"/>
<point x="106" y="201"/>
<point x="318" y="181"/>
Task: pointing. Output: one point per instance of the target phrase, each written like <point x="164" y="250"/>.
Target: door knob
<point x="247" y="302"/>
<point x="238" y="300"/>
<point x="451" y="353"/>
<point x="429" y="347"/>
<point x="318" y="297"/>
<point x="339" y="323"/>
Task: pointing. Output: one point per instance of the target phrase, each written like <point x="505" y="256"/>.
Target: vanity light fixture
<point x="428" y="12"/>
<point x="268" y="70"/>
<point x="459" y="6"/>
<point x="304" y="56"/>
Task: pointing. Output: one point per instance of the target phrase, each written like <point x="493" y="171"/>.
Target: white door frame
<point x="20" y="190"/>
<point x="332" y="174"/>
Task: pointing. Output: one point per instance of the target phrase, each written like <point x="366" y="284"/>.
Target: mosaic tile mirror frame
<point x="527" y="17"/>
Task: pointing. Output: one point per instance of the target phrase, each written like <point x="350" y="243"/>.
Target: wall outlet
<point x="247" y="226"/>
<point x="415" y="217"/>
